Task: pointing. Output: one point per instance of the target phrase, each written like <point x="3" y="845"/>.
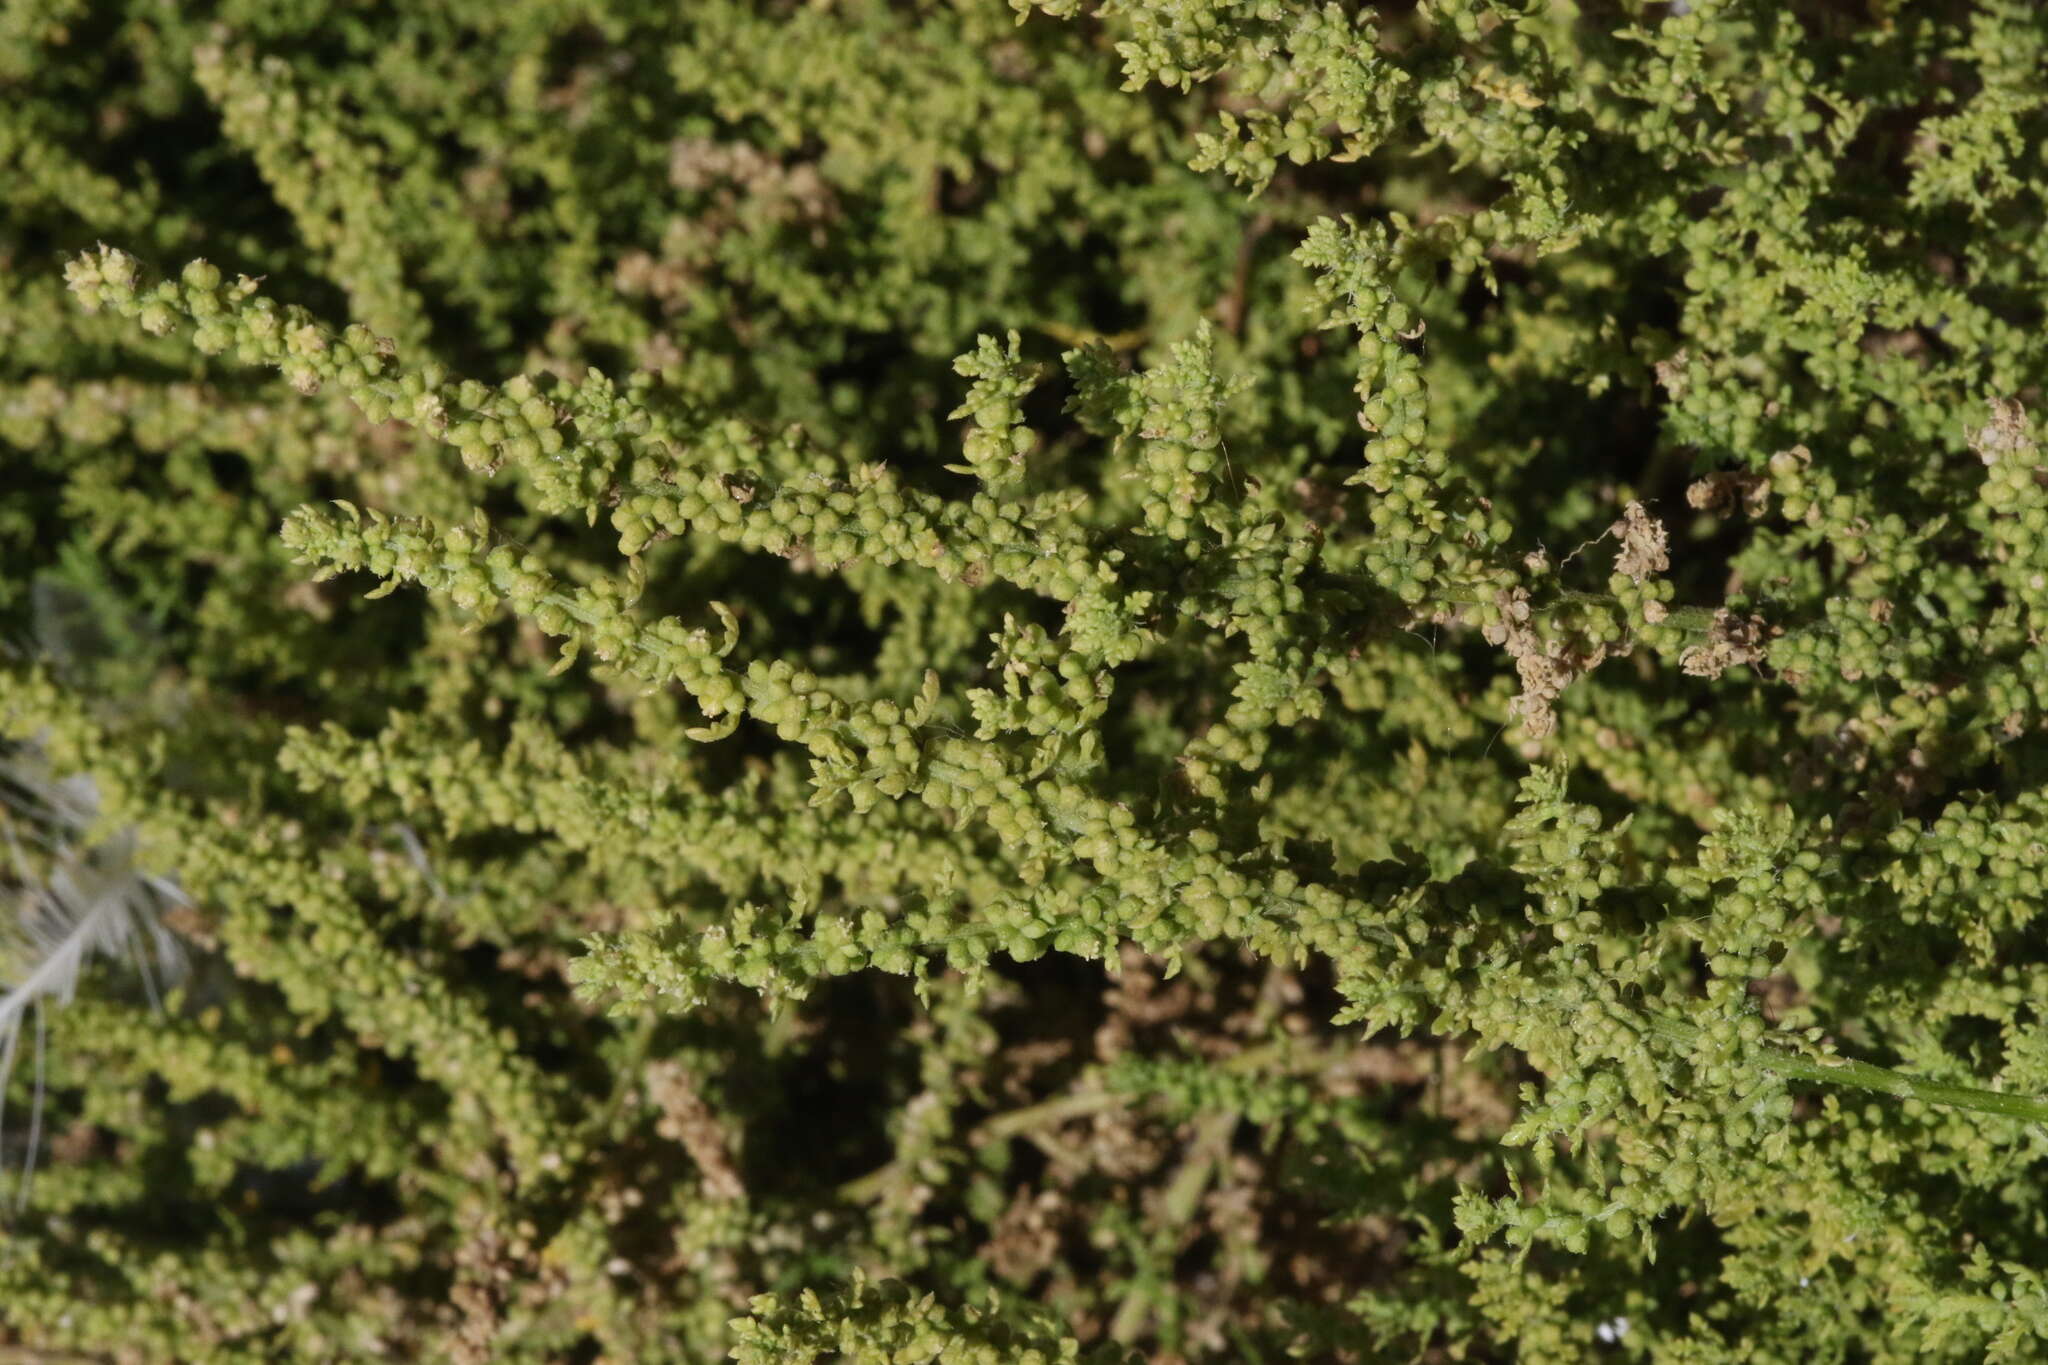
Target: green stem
<point x="1864" y="1076"/>
<point x="1077" y="1104"/>
<point x="1047" y="1114"/>
<point x="628" y="1076"/>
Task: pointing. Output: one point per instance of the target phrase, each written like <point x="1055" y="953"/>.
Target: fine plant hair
<point x="1052" y="680"/>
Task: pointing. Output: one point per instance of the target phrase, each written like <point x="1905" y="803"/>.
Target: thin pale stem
<point x="1864" y="1076"/>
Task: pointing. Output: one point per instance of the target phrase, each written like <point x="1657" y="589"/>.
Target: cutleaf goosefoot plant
<point x="1235" y="681"/>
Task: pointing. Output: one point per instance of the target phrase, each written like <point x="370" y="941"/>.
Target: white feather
<point x="84" y="905"/>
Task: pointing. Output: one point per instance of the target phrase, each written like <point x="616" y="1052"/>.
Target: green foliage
<point x="887" y="1324"/>
<point x="805" y="684"/>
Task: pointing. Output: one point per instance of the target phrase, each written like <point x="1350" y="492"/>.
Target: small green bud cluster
<point x="1432" y="534"/>
<point x="2015" y="494"/>
<point x="1180" y="456"/>
<point x="1046" y="690"/>
<point x="1975" y="867"/>
<point x="996" y="446"/>
<point x="1569" y="859"/>
<point x="891" y="1321"/>
<point x="480" y="576"/>
<point x="1759" y="886"/>
<point x="328" y="180"/>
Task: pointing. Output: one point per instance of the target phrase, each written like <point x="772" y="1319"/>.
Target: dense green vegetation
<point x="933" y="679"/>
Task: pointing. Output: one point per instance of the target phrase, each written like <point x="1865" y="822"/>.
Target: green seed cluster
<point x="888" y="1321"/>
